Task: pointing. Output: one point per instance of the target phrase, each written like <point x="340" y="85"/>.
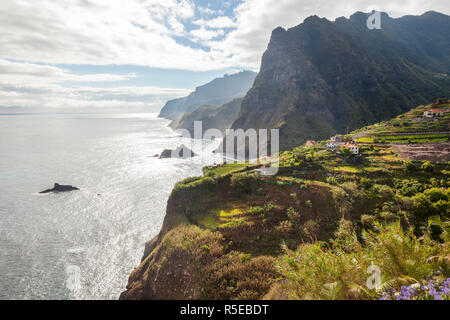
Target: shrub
<point x="332" y="180"/>
<point x="232" y="277"/>
<point x="263" y="212"/>
<point x="234" y="224"/>
<point x="294" y="197"/>
<point x="436" y="194"/>
<point x="367" y="220"/>
<point x="293" y="215"/>
<point x="285" y="226"/>
<point x="409" y="166"/>
<point x="408" y="187"/>
<point x="427" y="166"/>
<point x="310" y="229"/>
<point x="344" y="230"/>
<point x="422" y="207"/>
<point x="316" y="272"/>
<point x="366" y="182"/>
<point x="256" y="211"/>
<point x="244" y="183"/>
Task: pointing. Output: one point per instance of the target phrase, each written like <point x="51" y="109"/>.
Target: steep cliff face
<point x="220" y="242"/>
<point x="211" y="117"/>
<point x="215" y="93"/>
<point x="323" y="77"/>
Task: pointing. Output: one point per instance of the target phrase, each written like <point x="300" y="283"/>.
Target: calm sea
<point x="98" y="231"/>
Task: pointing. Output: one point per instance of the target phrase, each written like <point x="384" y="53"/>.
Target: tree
<point x="345" y="151"/>
<point x="427" y="166"/>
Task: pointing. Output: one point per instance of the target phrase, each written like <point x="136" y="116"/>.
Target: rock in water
<point x="60" y="188"/>
<point x="182" y="152"/>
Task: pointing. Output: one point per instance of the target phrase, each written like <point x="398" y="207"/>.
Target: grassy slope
<point x="234" y="235"/>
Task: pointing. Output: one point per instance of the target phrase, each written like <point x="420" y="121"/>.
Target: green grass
<point x="224" y="169"/>
<point x="347" y="169"/>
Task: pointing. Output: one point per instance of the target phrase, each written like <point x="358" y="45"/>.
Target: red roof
<point x="350" y="145"/>
<point x="438" y="110"/>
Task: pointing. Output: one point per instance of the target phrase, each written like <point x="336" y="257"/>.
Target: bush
<point x="293" y="215"/>
<point x="344" y="230"/>
<point x="427" y="166"/>
<point x="234" y="276"/>
<point x="432" y="202"/>
<point x="310" y="229"/>
<point x="367" y="220"/>
<point x="285" y="227"/>
<point x="366" y="182"/>
<point x="409" y="166"/>
<point x="332" y="180"/>
<point x="263" y="212"/>
<point x="316" y="272"/>
<point x="436" y="194"/>
<point x="408" y="187"/>
<point x="244" y="183"/>
<point x="383" y="190"/>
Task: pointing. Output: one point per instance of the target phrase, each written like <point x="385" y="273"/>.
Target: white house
<point x="435" y="113"/>
<point x="352" y="147"/>
<point x="331" y="145"/>
<point x="337" y="139"/>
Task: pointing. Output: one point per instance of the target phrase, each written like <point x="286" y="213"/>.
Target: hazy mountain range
<point x="214" y="94"/>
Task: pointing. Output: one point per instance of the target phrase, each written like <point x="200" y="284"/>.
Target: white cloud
<point x="98" y="32"/>
<point x="42" y="86"/>
<point x="205" y="10"/>
<point x="26" y="73"/>
<point x="204" y="34"/>
<point x="141" y="32"/>
<point x="216" y="23"/>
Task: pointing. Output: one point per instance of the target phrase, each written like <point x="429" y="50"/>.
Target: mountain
<point x="324" y="77"/>
<point x="214" y="93"/>
<point x="212" y="117"/>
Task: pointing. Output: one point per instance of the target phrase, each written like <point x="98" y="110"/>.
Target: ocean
<point x="83" y="244"/>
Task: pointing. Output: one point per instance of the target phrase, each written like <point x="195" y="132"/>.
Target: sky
<point x="137" y="54"/>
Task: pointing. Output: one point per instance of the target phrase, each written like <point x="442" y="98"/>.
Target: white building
<point x="352" y="147"/>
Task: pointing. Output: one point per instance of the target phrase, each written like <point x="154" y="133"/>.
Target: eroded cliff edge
<point x="221" y="236"/>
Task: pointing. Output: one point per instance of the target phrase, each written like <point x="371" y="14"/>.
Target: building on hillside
<point x="337" y="139"/>
<point x="311" y="143"/>
<point x="352" y="147"/>
<point x="435" y="113"/>
<point x="331" y="145"/>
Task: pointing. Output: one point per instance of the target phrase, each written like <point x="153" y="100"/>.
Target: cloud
<point x="28" y="73"/>
<point x="255" y="20"/>
<point x="100" y="32"/>
<point x="216" y="23"/>
<point x="41" y="86"/>
<point x="147" y="32"/>
<point x="204" y="34"/>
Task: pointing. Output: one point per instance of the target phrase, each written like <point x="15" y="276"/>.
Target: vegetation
<point x="312" y="231"/>
<point x="318" y="271"/>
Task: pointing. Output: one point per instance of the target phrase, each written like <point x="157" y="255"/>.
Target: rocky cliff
<point x="211" y="117"/>
<point x="323" y="77"/>
<point x="215" y="94"/>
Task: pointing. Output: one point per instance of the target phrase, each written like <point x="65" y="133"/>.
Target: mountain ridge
<point x="323" y="77"/>
<point x="214" y="93"/>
